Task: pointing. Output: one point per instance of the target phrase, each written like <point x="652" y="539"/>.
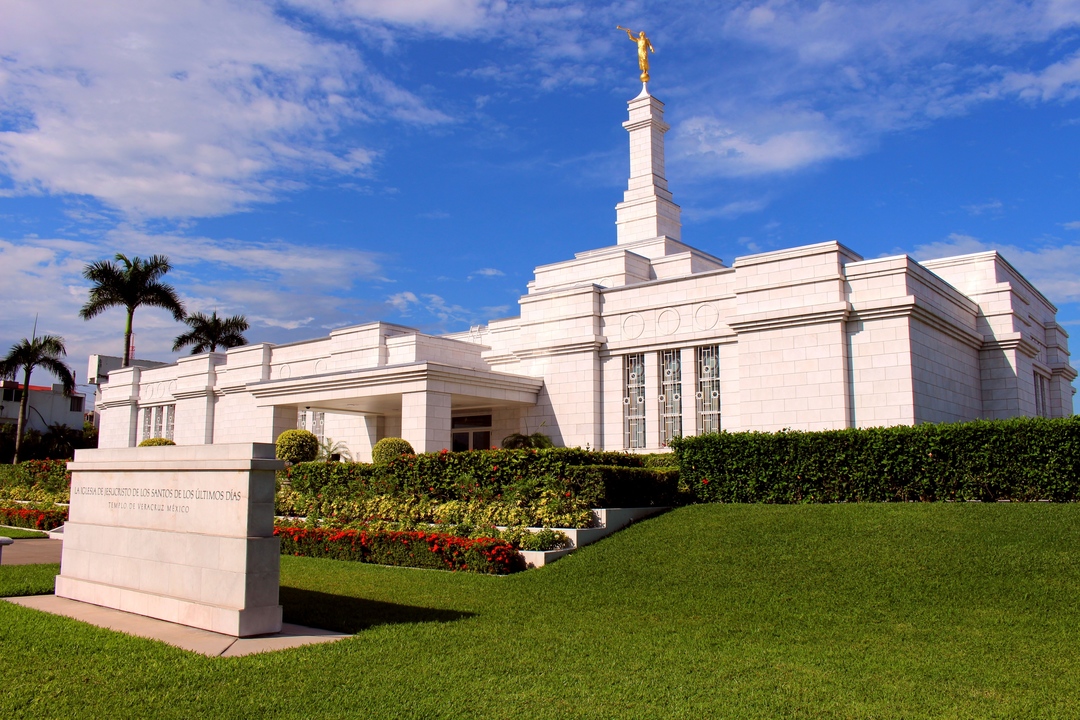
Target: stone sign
<point x="181" y="533"/>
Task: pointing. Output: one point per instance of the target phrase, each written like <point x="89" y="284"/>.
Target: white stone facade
<point x="625" y="346"/>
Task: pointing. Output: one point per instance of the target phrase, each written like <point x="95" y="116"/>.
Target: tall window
<point x="312" y="420"/>
<point x="670" y="395"/>
<point x="634" y="401"/>
<point x="158" y="421"/>
<point x="708" y="391"/>
<point x="1042" y="396"/>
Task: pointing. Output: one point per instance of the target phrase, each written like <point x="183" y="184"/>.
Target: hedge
<point x="583" y="478"/>
<point x="1022" y="459"/>
<point x="405" y="549"/>
<point x="34" y="518"/>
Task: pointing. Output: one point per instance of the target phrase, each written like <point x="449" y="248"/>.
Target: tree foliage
<point x="130" y="283"/>
<point x="208" y="332"/>
<point x="44" y="352"/>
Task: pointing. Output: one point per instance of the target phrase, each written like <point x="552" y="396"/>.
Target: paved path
<point x="31" y="551"/>
<point x="181" y="636"/>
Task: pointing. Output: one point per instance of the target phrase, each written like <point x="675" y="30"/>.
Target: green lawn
<point x="825" y="611"/>
<point x="19" y="533"/>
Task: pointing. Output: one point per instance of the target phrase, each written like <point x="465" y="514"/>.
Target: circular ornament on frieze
<point x="283" y="372"/>
<point x="633" y="326"/>
<point x="320" y="367"/>
<point x="706" y="316"/>
<point x="667" y="322"/>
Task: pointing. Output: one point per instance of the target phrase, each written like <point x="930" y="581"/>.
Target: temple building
<point x="629" y="345"/>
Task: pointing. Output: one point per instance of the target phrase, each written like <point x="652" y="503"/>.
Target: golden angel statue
<point x="643" y="48"/>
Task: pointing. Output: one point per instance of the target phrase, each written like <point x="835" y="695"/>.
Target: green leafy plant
<point x="329" y="447"/>
<point x="297" y="446"/>
<point x="519" y="441"/>
<point x="156" y="442"/>
<point x="390" y="449"/>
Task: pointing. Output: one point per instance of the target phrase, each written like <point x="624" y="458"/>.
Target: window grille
<point x="634" y="401"/>
<point x="670" y="395"/>
<point x="707" y="396"/>
<point x="158" y="413"/>
<point x="170" y="420"/>
<point x="147" y="414"/>
<point x="301" y="419"/>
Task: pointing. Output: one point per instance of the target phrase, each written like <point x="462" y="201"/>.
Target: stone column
<point x="647" y="210"/>
<point x="425" y="420"/>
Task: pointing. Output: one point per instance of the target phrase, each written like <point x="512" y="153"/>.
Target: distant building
<point x="630" y="345"/>
<point x="47" y="406"/>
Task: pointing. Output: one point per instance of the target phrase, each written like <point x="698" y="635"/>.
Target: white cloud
<point x="179" y="109"/>
<point x="486" y="272"/>
<point x="278" y="286"/>
<point x="1074" y="225"/>
<point x="403" y="302"/>
<point x="822" y="81"/>
<point x="733" y="209"/>
<point x="283" y="263"/>
<point x="1053" y="269"/>
<point x="992" y="207"/>
<point x="444" y="16"/>
<point x="713" y="148"/>
<point x="1058" y="81"/>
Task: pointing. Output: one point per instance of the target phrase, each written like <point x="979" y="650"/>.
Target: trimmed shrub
<point x="1021" y="459"/>
<point x="156" y="442"/>
<point x="35" y="518"/>
<point x="297" y="446"/>
<point x="406" y="549"/>
<point x="538" y="488"/>
<point x="660" y="460"/>
<point x="390" y="448"/>
<point x="354" y="479"/>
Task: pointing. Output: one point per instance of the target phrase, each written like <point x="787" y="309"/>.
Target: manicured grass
<point x="20" y="533"/>
<point x="16" y="580"/>
<point x="753" y="611"/>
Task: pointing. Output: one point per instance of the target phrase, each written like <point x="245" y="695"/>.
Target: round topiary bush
<point x="297" y="446"/>
<point x="389" y="449"/>
<point x="156" y="442"/>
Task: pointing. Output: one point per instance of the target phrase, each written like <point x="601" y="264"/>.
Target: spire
<point x="647" y="211"/>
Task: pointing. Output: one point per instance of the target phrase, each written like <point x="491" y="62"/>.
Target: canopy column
<point x="425" y="420"/>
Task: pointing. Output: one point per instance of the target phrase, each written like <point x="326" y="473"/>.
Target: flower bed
<point x="403" y="548"/>
<point x="32" y="517"/>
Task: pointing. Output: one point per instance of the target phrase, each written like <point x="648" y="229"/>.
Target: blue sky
<point x="319" y="163"/>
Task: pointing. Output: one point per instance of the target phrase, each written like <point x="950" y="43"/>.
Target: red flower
<point x="705" y="481"/>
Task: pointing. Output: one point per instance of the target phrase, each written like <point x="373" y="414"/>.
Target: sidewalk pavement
<point x="31" y="551"/>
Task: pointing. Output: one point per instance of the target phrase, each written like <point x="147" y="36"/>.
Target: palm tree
<point x="209" y="331"/>
<point x="128" y="285"/>
<point x="44" y="352"/>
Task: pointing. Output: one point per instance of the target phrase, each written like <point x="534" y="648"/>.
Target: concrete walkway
<point x="188" y="638"/>
<point x="31" y="551"/>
